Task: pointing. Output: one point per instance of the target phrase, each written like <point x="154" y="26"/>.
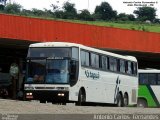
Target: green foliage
<point x="1" y="7"/>
<point x="145" y="13"/>
<point x="122" y="16"/>
<point x="85" y="15"/>
<point x="37" y="12"/>
<point x="131" y="17"/>
<point x="70" y="11"/>
<point x="132" y="25"/>
<point x="58" y="14"/>
<point x="104" y="12"/>
<point x="13" y="8"/>
<point x="157" y="20"/>
<point x="125" y="17"/>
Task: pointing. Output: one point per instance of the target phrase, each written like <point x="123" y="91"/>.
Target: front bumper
<point x="45" y="95"/>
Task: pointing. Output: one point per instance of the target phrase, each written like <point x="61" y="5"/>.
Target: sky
<point x="119" y="5"/>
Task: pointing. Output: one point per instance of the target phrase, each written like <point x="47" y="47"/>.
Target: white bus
<point x="68" y="72"/>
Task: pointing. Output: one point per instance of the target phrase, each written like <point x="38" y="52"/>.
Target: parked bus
<point x="149" y="88"/>
<point x="68" y="72"/>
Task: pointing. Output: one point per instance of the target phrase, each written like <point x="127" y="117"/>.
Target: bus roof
<point x="67" y="44"/>
<point x="148" y="70"/>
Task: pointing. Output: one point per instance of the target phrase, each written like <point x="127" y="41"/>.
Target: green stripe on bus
<point x="145" y="93"/>
<point x="153" y="95"/>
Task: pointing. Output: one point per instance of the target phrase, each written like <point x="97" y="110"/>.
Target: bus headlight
<point x="29" y="94"/>
<point x="61" y="94"/>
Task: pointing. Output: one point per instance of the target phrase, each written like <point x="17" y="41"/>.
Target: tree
<point x="125" y="17"/>
<point x="48" y="13"/>
<point x="145" y="13"/>
<point x="13" y="8"/>
<point x="131" y="17"/>
<point x="26" y="12"/>
<point x="85" y="15"/>
<point x="59" y="14"/>
<point x="122" y="16"/>
<point x="37" y="12"/>
<point x="105" y="12"/>
<point x="70" y="11"/>
<point x="157" y="20"/>
<point x="1" y="7"/>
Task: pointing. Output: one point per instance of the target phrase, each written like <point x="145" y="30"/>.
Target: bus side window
<point x="126" y="67"/>
<point x="84" y="58"/>
<point x="129" y="68"/>
<point x="118" y="65"/>
<point x="104" y="62"/>
<point x="122" y="66"/>
<point x="94" y="60"/>
<point x="73" y="72"/>
<point x="143" y="79"/>
<point x="158" y="79"/>
<point x="113" y="64"/>
<point x="152" y="78"/>
<point x="134" y="69"/>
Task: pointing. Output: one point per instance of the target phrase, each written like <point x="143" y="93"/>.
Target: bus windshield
<point x="49" y="52"/>
<point x="48" y="71"/>
<point x="57" y="71"/>
<point x="36" y="71"/>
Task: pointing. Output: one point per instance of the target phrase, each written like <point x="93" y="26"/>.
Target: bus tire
<point x="119" y="100"/>
<point x="125" y="100"/>
<point x="81" y="98"/>
<point x="142" y="103"/>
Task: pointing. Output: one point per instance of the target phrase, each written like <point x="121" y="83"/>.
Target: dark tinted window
<point x="143" y="78"/>
<point x="104" y="63"/>
<point x="135" y="68"/>
<point x="49" y="52"/>
<point x="113" y="64"/>
<point x="149" y="78"/>
<point x="75" y="53"/>
<point x="94" y="60"/>
<point x="158" y="80"/>
<point x="85" y="58"/>
<point x="129" y="69"/>
<point x="122" y="66"/>
<point x="152" y="79"/>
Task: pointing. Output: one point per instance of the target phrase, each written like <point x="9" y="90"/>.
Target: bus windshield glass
<point x="36" y="71"/>
<point x="57" y="71"/>
<point x="52" y="71"/>
<point x="49" y="52"/>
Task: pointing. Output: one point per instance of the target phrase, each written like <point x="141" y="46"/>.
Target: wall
<point x="33" y="29"/>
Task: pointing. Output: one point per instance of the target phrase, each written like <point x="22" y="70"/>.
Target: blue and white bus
<point x="62" y="72"/>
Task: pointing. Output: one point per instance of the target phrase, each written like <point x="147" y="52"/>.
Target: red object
<point x="33" y="29"/>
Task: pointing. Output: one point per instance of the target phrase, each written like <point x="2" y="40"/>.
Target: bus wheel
<point x="125" y="100"/>
<point x="81" y="98"/>
<point x="119" y="100"/>
<point x="142" y="103"/>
